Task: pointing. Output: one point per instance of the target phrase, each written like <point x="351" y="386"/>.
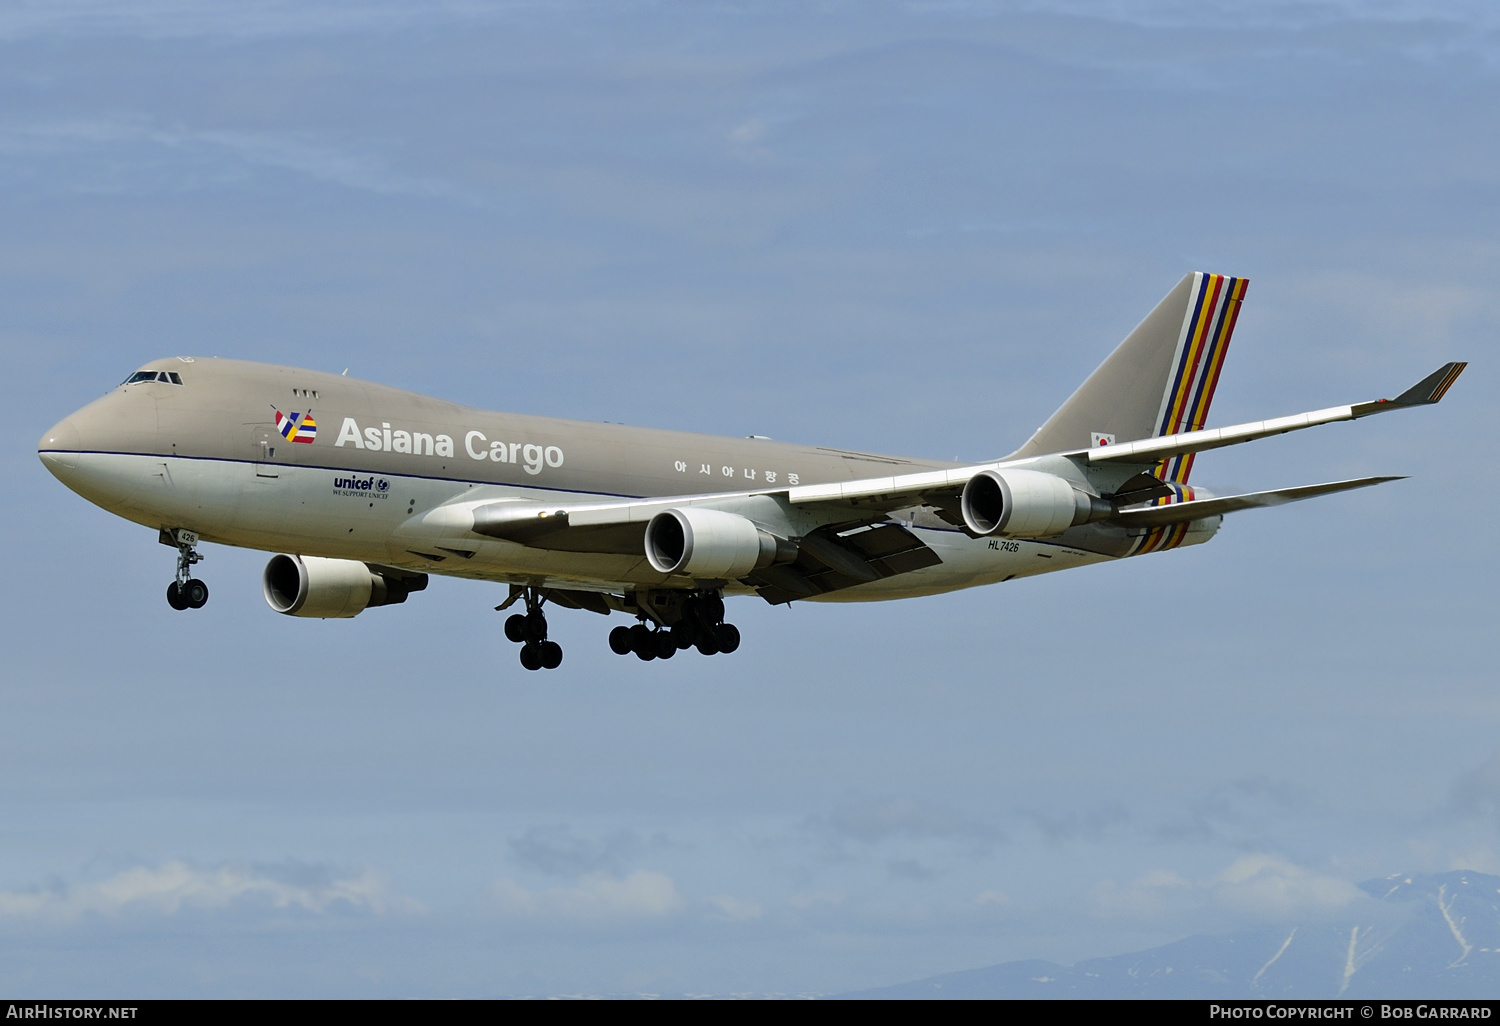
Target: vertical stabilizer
<point x="1159" y="381"/>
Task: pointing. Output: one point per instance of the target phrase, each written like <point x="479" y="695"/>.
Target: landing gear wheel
<point x="515" y="627"/>
<point x="711" y="608"/>
<point x="707" y="645"/>
<point x="195" y="594"/>
<point x="185" y="592"/>
<point x="640" y="639"/>
<point x="683" y="634"/>
<point x="643" y="642"/>
<point x="727" y="637"/>
<point x="529" y="630"/>
<point x="620" y="641"/>
<point x="666" y="645"/>
<point x="550" y="654"/>
<point x="536" y="627"/>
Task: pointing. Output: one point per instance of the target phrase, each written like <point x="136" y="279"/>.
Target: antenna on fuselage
<point x="345" y="374"/>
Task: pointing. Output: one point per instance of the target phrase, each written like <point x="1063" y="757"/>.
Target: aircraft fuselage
<point x="363" y="480"/>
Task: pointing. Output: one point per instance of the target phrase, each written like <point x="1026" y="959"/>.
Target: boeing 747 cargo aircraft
<point x="362" y="491"/>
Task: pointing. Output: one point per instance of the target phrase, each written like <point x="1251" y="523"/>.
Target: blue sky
<point x="909" y="228"/>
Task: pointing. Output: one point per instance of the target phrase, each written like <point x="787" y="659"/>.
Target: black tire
<point x="551" y="653"/>
<point x="645" y="655"/>
<point x="515" y="627"/>
<point x="666" y="645"/>
<point x="727" y="637"/>
<point x="711" y="609"/>
<point x="707" y="645"/>
<point x="620" y="641"/>
<point x="641" y="640"/>
<point x="536" y="627"/>
<point x="174" y="597"/>
<point x="195" y="594"/>
<point x="683" y="634"/>
<point x="530" y="657"/>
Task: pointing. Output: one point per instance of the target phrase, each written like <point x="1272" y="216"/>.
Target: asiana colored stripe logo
<point x="296" y="427"/>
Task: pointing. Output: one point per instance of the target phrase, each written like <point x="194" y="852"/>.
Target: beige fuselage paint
<point x="207" y="455"/>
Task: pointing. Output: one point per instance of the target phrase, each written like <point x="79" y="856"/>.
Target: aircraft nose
<point x="59" y="446"/>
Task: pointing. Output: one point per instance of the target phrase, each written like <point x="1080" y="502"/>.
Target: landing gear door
<point x="264" y="443"/>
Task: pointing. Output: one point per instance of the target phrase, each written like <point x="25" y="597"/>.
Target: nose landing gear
<point x="186" y="591"/>
<point x="529" y="630"/>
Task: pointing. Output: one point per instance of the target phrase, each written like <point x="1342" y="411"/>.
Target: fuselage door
<point x="264" y="443"/>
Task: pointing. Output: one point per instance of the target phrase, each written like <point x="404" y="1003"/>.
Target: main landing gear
<point x="186" y="591"/>
<point x="700" y="626"/>
<point x="529" y="630"/>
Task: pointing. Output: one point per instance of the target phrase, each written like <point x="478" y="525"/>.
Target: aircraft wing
<point x="1182" y="512"/>
<point x="1147" y="451"/>
<point x="1429" y="390"/>
<point x="854" y="544"/>
<point x="618" y="526"/>
<point x="853" y="548"/>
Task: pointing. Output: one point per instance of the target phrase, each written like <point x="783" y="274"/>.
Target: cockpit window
<point x="168" y="377"/>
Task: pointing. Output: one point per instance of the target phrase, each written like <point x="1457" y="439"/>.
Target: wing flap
<point x="559" y="529"/>
<point x="830" y="561"/>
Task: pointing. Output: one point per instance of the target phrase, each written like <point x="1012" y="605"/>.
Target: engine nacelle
<point x="1200" y="531"/>
<point x="710" y="543"/>
<point x="1025" y="504"/>
<point x="332" y="588"/>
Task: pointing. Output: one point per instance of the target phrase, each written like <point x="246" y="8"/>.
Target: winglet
<point x="1429" y="390"/>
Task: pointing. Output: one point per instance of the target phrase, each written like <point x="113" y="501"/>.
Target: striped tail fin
<point x="1197" y="363"/>
<point x="1184" y="406"/>
<point x="1159" y="381"/>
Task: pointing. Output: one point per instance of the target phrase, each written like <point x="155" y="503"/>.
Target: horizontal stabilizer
<point x="1182" y="512"/>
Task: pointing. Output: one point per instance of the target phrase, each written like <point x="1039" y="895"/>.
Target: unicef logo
<point x="370" y="487"/>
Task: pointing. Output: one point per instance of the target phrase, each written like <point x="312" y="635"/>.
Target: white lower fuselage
<point x="398" y="520"/>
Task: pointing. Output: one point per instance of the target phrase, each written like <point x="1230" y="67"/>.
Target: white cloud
<point x="1270" y="887"/>
<point x="738" y="909"/>
<point x="643" y="894"/>
<point x="176" y="19"/>
<point x="749" y="133"/>
<point x="135" y="148"/>
<point x="809" y="899"/>
<point x="873" y="820"/>
<point x="1256" y="886"/>
<point x="175" y="886"/>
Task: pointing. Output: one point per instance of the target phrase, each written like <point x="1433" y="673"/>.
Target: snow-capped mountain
<point x="1425" y="936"/>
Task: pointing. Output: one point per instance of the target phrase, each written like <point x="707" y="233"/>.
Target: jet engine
<point x="1026" y="504"/>
<point x="1201" y="530"/>
<point x="710" y="543"/>
<point x="333" y="588"/>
